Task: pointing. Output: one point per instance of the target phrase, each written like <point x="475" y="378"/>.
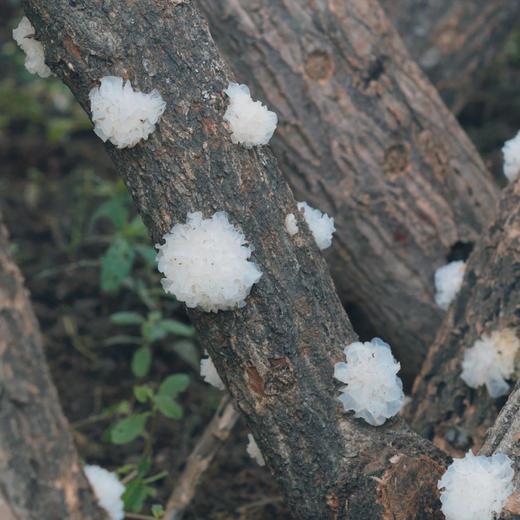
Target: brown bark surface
<point x="276" y="354"/>
<point x="444" y="409"/>
<point x="40" y="474"/>
<point x="454" y="41"/>
<point x="363" y="136"/>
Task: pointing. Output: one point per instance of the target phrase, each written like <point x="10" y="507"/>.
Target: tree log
<point x="444" y="409"/>
<point x="454" y="42"/>
<point x="275" y="355"/>
<point x="40" y="474"/>
<point x="365" y="137"/>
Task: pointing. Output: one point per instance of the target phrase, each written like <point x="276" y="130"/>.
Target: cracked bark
<point x="363" y="136"/>
<point x="40" y="474"/>
<point x="444" y="409"/>
<point x="276" y="354"/>
<point x="454" y="42"/>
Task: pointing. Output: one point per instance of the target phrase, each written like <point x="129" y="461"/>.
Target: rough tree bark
<point x="40" y="474"/>
<point x="276" y="354"/>
<point x="365" y="137"/>
<point x="454" y="42"/>
<point x="444" y="409"/>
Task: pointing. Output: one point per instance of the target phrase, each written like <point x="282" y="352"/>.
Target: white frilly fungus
<point x="108" y="490"/>
<point x="34" y="55"/>
<point x="254" y="451"/>
<point x="290" y="224"/>
<point x="205" y="263"/>
<point x="121" y="115"/>
<point x="511" y="153"/>
<point x="476" y="487"/>
<point x="209" y="373"/>
<point x="490" y="361"/>
<point x="320" y="224"/>
<point x="373" y="390"/>
<point x="250" y="122"/>
<point x="448" y="280"/>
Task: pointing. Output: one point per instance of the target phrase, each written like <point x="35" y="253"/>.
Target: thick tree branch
<point x="364" y="136"/>
<point x="276" y="354"/>
<point x="40" y="474"/>
<point x="444" y="408"/>
<point x="454" y="42"/>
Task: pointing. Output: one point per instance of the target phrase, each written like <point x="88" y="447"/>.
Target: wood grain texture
<point x="444" y="409"/>
<point x="40" y="474"/>
<point x="276" y="354"/>
<point x="365" y="137"/>
<point x="454" y="42"/>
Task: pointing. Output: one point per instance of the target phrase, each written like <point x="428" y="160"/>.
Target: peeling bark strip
<point x="444" y="409"/>
<point x="454" y="41"/>
<point x="40" y="475"/>
<point x="365" y="137"/>
<point x="327" y="464"/>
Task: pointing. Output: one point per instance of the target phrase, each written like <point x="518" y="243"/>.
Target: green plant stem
<point x="154" y="478"/>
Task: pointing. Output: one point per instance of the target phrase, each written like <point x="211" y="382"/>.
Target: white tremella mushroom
<point x="121" y="115"/>
<point x="373" y="390"/>
<point x="209" y="373"/>
<point x="34" y="55"/>
<point x="476" y="487"/>
<point x="511" y="154"/>
<point x="108" y="490"/>
<point x="320" y="224"/>
<point x="448" y="280"/>
<point x="206" y="263"/>
<point x="291" y="225"/>
<point x="251" y="123"/>
<point x="490" y="361"/>
<point x="254" y="451"/>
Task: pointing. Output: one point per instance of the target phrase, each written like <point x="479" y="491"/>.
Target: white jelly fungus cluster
<point x="34" y="55"/>
<point x="448" y="280"/>
<point x="511" y="154"/>
<point x="205" y="263"/>
<point x="209" y="373"/>
<point x="108" y="490"/>
<point x="320" y="224"/>
<point x="373" y="390"/>
<point x="254" y="451"/>
<point x="290" y="224"/>
<point x="121" y="115"/>
<point x="251" y="123"/>
<point x="476" y="487"/>
<point x="490" y="361"/>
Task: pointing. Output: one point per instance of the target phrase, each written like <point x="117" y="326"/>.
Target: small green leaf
<point x="177" y="327"/>
<point x="168" y="407"/>
<point x="157" y="511"/>
<point x="187" y="351"/>
<point x="174" y="385"/>
<point x="143" y="393"/>
<point x="136" y="228"/>
<point x="123" y="339"/>
<point x="128" y="429"/>
<point x="143" y="467"/>
<point x="148" y="253"/>
<point x="135" y="495"/>
<point x="115" y="210"/>
<point x="126" y="318"/>
<point x="116" y="264"/>
<point x="141" y="361"/>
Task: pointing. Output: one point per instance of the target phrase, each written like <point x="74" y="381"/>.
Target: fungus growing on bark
<point x="34" y="55"/>
<point x="254" y="451"/>
<point x="448" y="280"/>
<point x="373" y="390"/>
<point x="320" y="224"/>
<point x="205" y="263"/>
<point x="108" y="490"/>
<point x="290" y="224"/>
<point x="476" y="487"/>
<point x="511" y="154"/>
<point x="209" y="373"/>
<point x="490" y="361"/>
<point x="121" y="115"/>
<point x="251" y="123"/>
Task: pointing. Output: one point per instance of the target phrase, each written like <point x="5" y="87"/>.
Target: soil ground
<point x="54" y="171"/>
